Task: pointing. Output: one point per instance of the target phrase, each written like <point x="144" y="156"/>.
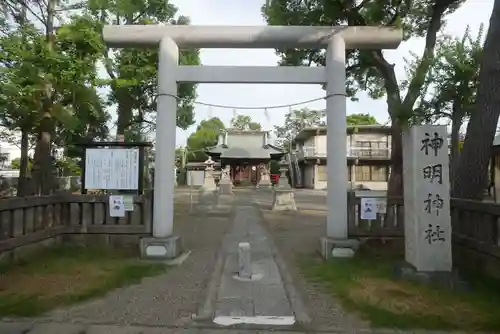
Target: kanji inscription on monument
<point x="427" y="198"/>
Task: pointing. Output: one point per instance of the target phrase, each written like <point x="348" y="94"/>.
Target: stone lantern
<point x="209" y="181"/>
<point x="284" y="198"/>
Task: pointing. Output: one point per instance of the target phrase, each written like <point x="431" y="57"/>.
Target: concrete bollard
<point x="244" y="260"/>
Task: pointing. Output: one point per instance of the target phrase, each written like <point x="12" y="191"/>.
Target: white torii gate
<point x="170" y="38"/>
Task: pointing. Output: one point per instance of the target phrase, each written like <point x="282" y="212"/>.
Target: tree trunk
<point x="124" y="110"/>
<point x="457" y="117"/>
<point x="472" y="170"/>
<point x="395" y="184"/>
<point x="42" y="166"/>
<point x="22" y="183"/>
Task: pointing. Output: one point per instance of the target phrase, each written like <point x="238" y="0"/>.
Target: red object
<point x="275" y="178"/>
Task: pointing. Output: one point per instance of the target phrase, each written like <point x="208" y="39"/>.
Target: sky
<point x="247" y="12"/>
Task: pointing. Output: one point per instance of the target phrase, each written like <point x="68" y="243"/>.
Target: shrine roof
<point x="244" y="144"/>
<point x="240" y="152"/>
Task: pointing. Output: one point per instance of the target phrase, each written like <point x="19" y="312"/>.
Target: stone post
<point x="164" y="244"/>
<point x="244" y="260"/>
<point x="427" y="198"/>
<point x="336" y="242"/>
<point x="284" y="198"/>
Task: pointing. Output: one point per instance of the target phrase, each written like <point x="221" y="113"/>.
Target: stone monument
<point x="427" y="199"/>
<point x="225" y="183"/>
<point x="284" y="198"/>
<point x="265" y="179"/>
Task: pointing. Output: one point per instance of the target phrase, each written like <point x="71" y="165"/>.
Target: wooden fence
<point x="475" y="230"/>
<point x="29" y="220"/>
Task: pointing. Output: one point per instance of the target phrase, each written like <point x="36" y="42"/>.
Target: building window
<point x="371" y="173"/>
<point x="322" y="173"/>
<point x="371" y="148"/>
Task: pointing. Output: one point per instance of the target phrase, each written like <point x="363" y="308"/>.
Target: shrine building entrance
<point x="246" y="152"/>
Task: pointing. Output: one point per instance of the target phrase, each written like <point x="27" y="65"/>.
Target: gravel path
<point x="167" y="299"/>
<point x="296" y="234"/>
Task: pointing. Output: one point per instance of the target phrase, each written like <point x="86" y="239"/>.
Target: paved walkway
<point x="262" y="299"/>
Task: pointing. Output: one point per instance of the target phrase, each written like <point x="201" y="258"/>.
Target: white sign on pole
<point x="116" y="206"/>
<point x="112" y="169"/>
<point x="368" y="208"/>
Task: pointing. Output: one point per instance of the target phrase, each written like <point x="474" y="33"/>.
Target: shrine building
<point x="244" y="151"/>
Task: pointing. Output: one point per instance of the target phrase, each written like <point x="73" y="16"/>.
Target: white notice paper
<point x="112" y="168"/>
<point x="116" y="206"/>
<point x="368" y="208"/>
<point x="128" y="203"/>
<point x="381" y="204"/>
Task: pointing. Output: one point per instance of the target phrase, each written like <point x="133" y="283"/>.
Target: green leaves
<point x="361" y="119"/>
<point x="205" y="136"/>
<point x="366" y="69"/>
<point x="450" y="86"/>
<point x="28" y="63"/>
<point x="133" y="72"/>
<point x="244" y="123"/>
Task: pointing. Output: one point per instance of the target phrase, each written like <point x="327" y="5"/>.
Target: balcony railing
<point x="351" y="152"/>
<point x="368" y="152"/>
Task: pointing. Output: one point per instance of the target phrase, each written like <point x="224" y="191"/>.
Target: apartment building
<point x="368" y="154"/>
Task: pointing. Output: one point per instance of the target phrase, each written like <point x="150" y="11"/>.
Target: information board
<point x="112" y="168"/>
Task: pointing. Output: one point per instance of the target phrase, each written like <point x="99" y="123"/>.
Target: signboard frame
<point x="114" y="145"/>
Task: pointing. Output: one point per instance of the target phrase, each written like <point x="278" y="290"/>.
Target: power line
<point x="279" y="106"/>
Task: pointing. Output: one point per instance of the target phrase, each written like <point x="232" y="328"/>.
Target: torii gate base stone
<point x="170" y="38"/>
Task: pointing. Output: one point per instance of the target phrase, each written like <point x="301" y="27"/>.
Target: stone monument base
<point x="448" y="279"/>
<point x="265" y="184"/>
<point x="284" y="199"/>
<point x="204" y="193"/>
<point x="337" y="248"/>
<point x="161" y="248"/>
<point x="225" y="187"/>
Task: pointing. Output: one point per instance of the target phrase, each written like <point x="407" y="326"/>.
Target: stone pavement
<point x="261" y="299"/>
<point x="62" y="328"/>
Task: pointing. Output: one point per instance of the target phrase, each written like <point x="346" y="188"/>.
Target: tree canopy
<point x="205" y="136"/>
<point x="369" y="70"/>
<point x="244" y="122"/>
<point x="450" y="88"/>
<point x="361" y="119"/>
<point x="49" y="77"/>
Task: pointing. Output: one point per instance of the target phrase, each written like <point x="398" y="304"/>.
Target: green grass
<point x="65" y="275"/>
<point x="366" y="284"/>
